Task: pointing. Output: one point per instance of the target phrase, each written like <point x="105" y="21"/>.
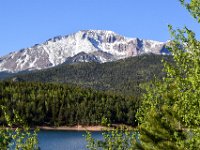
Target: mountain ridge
<point x="83" y="46"/>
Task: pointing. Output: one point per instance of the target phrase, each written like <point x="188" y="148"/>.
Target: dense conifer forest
<point x="81" y="93"/>
<point x="122" y="76"/>
<point x="55" y="104"/>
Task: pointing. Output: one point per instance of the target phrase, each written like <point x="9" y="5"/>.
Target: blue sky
<point x="24" y="23"/>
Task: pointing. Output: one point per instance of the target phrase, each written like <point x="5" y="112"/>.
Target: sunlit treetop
<point x="193" y="6"/>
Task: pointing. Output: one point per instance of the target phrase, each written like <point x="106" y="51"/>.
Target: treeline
<point x="121" y="76"/>
<point x="55" y="104"/>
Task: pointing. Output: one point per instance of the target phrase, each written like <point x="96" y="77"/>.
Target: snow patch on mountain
<point x="83" y="46"/>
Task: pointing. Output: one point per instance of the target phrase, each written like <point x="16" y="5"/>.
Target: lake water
<point x="64" y="140"/>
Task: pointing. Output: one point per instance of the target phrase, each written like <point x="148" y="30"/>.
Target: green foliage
<point x="118" y="139"/>
<point x="55" y="104"/>
<point x="170" y="110"/>
<point x="169" y="116"/>
<point x="120" y="76"/>
<point x="193" y="7"/>
<point x="18" y="138"/>
<point x="104" y="121"/>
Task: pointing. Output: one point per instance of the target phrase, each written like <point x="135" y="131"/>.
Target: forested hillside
<point x="121" y="76"/>
<point x="55" y="104"/>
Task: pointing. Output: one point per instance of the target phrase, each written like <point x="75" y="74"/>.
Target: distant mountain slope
<point x="84" y="46"/>
<point x="121" y="76"/>
<point x="4" y="75"/>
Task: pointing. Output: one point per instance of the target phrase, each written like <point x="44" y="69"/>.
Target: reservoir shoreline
<point x="94" y="128"/>
<point x="74" y="128"/>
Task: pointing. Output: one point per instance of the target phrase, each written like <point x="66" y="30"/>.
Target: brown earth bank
<point x="73" y="128"/>
<point x="78" y="127"/>
<point x="64" y="128"/>
<point x="83" y="128"/>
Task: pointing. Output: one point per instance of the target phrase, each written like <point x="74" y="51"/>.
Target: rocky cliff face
<point x="84" y="46"/>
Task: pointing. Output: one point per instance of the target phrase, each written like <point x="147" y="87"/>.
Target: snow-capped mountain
<point x="84" y="46"/>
